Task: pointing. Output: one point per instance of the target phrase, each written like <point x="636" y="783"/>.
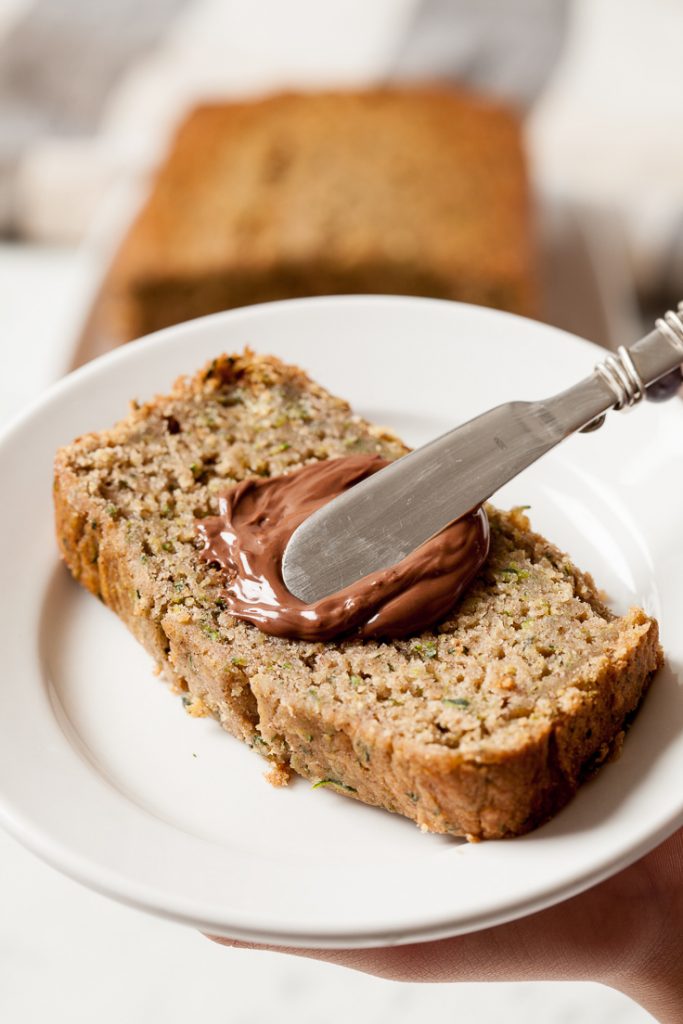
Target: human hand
<point x="626" y="933"/>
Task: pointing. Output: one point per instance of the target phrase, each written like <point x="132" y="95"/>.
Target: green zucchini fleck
<point x="514" y="570"/>
<point x="334" y="782"/>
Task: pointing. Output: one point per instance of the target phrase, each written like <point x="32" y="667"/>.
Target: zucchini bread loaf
<point x="482" y="726"/>
<point x="398" y="191"/>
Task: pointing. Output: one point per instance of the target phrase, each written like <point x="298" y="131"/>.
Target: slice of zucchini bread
<point x="483" y="726"/>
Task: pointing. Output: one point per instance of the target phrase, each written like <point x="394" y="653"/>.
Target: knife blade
<point x="383" y="518"/>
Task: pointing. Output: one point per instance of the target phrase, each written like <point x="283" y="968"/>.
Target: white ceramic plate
<point x="104" y="775"/>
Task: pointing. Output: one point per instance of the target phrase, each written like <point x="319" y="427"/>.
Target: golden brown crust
<point x="484" y="726"/>
<point x="418" y="191"/>
<point x="482" y="797"/>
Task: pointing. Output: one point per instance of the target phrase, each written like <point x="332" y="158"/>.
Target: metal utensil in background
<point x="382" y="519"/>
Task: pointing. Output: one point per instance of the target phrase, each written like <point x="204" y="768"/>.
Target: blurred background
<point x="555" y="183"/>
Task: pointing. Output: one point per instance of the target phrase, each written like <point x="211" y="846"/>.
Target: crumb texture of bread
<point x="483" y="726"/>
<point x="416" y="191"/>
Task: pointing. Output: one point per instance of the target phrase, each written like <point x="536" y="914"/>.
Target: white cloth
<point x="89" y="92"/>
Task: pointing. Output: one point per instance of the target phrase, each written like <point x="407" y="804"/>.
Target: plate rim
<point x="162" y="336"/>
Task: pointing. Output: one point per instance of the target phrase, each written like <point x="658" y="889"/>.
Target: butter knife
<point x="386" y="516"/>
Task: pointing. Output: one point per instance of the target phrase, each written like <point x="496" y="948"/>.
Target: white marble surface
<point x="71" y="956"/>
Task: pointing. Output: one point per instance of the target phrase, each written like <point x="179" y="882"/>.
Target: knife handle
<point x="631" y="372"/>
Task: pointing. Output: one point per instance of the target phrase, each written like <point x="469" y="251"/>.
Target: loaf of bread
<point x="410" y="191"/>
<point x="483" y="726"/>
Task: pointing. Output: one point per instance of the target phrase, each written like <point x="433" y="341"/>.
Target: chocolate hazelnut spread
<point x="258" y="516"/>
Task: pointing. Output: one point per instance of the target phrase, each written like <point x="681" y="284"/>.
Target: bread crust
<point x="419" y="760"/>
<point x="488" y="797"/>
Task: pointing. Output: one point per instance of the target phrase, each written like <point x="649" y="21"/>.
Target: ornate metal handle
<point x="632" y="371"/>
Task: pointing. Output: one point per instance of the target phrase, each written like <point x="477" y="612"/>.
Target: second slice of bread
<point x="483" y="726"/>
